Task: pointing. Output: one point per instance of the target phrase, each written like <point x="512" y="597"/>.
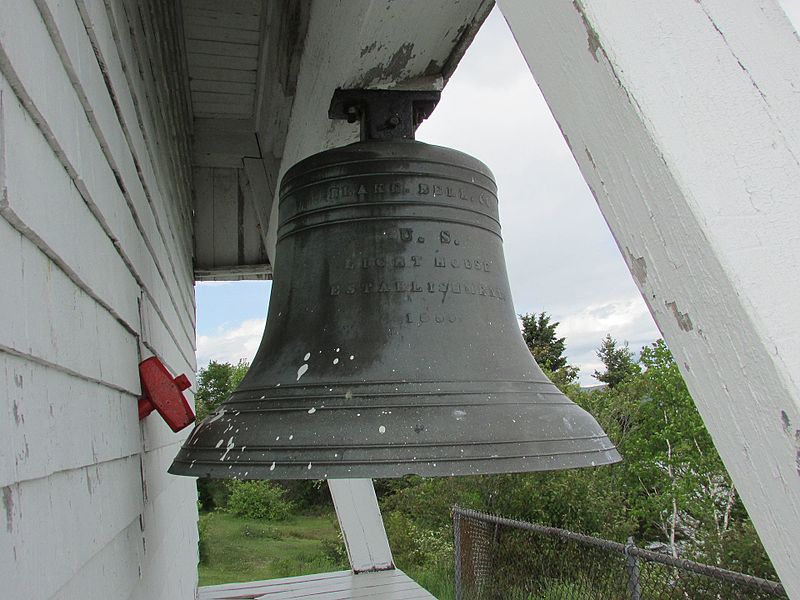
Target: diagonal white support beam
<point x="683" y="117"/>
<point x="362" y="526"/>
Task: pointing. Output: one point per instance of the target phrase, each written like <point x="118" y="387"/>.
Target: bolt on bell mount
<point x="392" y="346"/>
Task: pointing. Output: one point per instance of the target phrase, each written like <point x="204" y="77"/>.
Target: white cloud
<point x="231" y="344"/>
<point x="626" y="319"/>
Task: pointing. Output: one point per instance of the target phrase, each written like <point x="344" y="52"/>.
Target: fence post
<point x="632" y="567"/>
<point x="457" y="550"/>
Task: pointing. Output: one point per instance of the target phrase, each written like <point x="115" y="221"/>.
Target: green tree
<point x="618" y="361"/>
<point x="678" y="488"/>
<point x="547" y="349"/>
<point x="671" y="486"/>
<point x="215" y="383"/>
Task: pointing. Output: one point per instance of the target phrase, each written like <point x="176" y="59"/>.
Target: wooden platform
<point x="339" y="585"/>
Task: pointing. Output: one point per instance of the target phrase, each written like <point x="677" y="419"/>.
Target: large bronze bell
<point x="391" y="346"/>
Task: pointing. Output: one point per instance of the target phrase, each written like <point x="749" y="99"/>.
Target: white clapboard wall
<point x="95" y="275"/>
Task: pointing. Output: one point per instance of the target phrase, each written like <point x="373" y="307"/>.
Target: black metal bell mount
<point x="392" y="346"/>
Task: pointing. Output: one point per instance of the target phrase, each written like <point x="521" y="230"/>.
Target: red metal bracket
<point x="164" y="393"/>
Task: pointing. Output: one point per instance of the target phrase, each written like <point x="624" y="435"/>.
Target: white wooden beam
<point x="261" y="173"/>
<point x="683" y="117"/>
<point x="361" y="523"/>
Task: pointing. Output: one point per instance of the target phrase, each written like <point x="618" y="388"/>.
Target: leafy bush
<point x="417" y="546"/>
<point x="258" y="500"/>
<point x="334" y="552"/>
<point x="212" y="494"/>
<point x="202" y="540"/>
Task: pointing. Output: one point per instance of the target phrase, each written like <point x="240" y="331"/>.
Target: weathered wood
<point x="255" y="272"/>
<point x="251" y="229"/>
<point x="112" y="573"/>
<point x="82" y="250"/>
<point x="212" y="160"/>
<point x="58" y="115"/>
<point x="127" y="76"/>
<point x="261" y="174"/>
<point x="683" y="119"/>
<point x="55" y="322"/>
<point x="229" y="87"/>
<point x="217" y="20"/>
<point x="226" y="49"/>
<point x="203" y="216"/>
<point x="222" y="74"/>
<point x="223" y="110"/>
<point x="226" y="212"/>
<point x="361" y="524"/>
<point x="339" y="585"/>
<point x="169" y="536"/>
<point x="97" y="259"/>
<point x="236" y="103"/>
<point x="43" y="408"/>
<point x="216" y="33"/>
<point x="226" y="142"/>
<point x="47" y="516"/>
<point x="230" y="7"/>
<point x="215" y="61"/>
<point x="228" y="233"/>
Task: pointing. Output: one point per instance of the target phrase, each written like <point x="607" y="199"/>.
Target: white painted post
<point x="361" y="523"/>
<point x="684" y="117"/>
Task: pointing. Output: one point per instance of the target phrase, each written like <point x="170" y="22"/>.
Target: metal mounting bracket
<point x="384" y="114"/>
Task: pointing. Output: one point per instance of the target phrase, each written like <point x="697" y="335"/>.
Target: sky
<point x="560" y="255"/>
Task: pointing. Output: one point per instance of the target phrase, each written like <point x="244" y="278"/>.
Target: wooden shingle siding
<point x="223" y="45"/>
<point x="228" y="237"/>
<point x="96" y="273"/>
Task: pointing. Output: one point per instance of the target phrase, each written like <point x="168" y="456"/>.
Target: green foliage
<point x="414" y="546"/>
<point x="212" y="493"/>
<point x="215" y="383"/>
<point x="426" y="554"/>
<point x="618" y="362"/>
<point x="540" y="337"/>
<point x="240" y="549"/>
<point x="671" y="488"/>
<point x="334" y="551"/>
<point x="307" y="495"/>
<point x="547" y="349"/>
<point x="258" y="500"/>
<point x="202" y="539"/>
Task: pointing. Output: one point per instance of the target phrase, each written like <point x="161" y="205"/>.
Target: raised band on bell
<point x="392" y="346"/>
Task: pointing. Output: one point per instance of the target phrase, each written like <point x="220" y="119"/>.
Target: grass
<point x="439" y="582"/>
<point x="240" y="549"/>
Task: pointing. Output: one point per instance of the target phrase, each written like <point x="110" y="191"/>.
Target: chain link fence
<point x="504" y="559"/>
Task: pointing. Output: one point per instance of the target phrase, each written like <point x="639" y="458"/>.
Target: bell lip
<point x="388" y="470"/>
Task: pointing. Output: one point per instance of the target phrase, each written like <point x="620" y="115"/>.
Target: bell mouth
<point x="392" y="430"/>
